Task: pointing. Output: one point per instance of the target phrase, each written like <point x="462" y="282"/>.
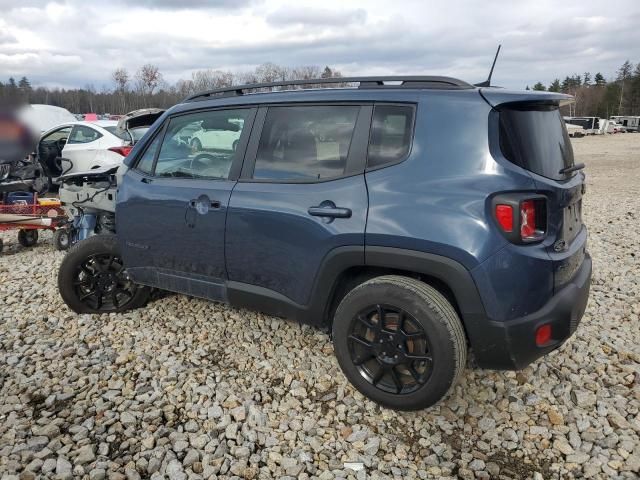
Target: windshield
<point x="535" y="138"/>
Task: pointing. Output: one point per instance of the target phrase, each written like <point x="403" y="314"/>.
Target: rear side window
<point x="305" y="143"/>
<point x="536" y="139"/>
<point x="391" y="133"/>
<point x="83" y="134"/>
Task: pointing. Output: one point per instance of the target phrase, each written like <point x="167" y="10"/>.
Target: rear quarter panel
<point x="436" y="201"/>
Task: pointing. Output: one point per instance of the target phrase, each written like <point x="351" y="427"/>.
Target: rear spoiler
<point x="498" y="96"/>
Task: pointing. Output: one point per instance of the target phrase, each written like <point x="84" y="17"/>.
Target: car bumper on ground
<point x="512" y="345"/>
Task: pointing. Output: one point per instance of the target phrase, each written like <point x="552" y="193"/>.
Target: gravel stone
<point x="63" y="468"/>
<point x="185" y="388"/>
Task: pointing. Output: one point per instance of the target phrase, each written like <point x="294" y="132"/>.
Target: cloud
<point x="287" y="16"/>
<point x="193" y="4"/>
<point x="7" y="38"/>
<point x="75" y="43"/>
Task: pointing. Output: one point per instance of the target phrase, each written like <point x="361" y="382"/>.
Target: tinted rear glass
<point x="305" y="143"/>
<point x="391" y="132"/>
<point x="535" y="138"/>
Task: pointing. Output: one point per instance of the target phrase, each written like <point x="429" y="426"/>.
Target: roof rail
<point x="432" y="82"/>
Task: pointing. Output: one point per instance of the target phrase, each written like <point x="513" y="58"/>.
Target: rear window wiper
<point x="572" y="168"/>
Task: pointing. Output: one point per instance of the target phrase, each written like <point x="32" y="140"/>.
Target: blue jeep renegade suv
<point x="415" y="218"/>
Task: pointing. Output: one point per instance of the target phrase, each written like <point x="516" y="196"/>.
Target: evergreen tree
<point x="624" y="71"/>
<point x="599" y="79"/>
<point x="326" y="73"/>
<point x="587" y="78"/>
<point x="555" y="85"/>
<point x="539" y="87"/>
<point x="24" y="84"/>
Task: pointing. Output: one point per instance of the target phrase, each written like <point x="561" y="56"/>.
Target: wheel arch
<point x="344" y="269"/>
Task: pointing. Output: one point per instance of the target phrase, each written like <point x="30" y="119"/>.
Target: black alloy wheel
<point x="390" y="348"/>
<point x="92" y="278"/>
<point x="399" y="341"/>
<point x="102" y="283"/>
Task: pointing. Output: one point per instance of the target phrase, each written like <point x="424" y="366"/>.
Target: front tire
<point x="399" y="342"/>
<point x="62" y="239"/>
<point x="92" y="278"/>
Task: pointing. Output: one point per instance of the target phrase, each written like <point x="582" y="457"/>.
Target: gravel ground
<point x="190" y="389"/>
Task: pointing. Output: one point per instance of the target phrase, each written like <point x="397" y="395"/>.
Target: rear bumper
<point x="511" y="345"/>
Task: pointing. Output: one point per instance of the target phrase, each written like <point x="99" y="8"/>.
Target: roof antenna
<point x="487" y="82"/>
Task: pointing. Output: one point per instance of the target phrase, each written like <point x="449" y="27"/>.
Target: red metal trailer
<point x="29" y="218"/>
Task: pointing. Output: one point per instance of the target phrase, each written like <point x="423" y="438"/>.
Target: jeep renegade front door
<point x="172" y="205"/>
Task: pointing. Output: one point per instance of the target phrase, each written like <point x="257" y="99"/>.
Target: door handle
<point x="213" y="204"/>
<point x="329" y="212"/>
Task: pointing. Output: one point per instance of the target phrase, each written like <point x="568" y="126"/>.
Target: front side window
<point x="391" y="133"/>
<point x="305" y="142"/>
<point x="145" y="164"/>
<point x="187" y="152"/>
<point x="83" y="134"/>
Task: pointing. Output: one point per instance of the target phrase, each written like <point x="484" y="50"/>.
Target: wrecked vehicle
<point x="89" y="196"/>
<point x="19" y="171"/>
<point x="358" y="210"/>
<point x="89" y="199"/>
<point x="85" y="145"/>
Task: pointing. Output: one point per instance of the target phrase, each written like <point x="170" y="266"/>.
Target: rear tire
<point x="28" y="238"/>
<point x="92" y="278"/>
<point x="412" y="358"/>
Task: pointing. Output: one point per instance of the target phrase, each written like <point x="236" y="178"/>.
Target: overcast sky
<point x="78" y="42"/>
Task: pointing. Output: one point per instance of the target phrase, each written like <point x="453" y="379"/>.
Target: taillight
<point x="124" y="151"/>
<point x="528" y="212"/>
<point x="504" y="215"/>
<point x="528" y="230"/>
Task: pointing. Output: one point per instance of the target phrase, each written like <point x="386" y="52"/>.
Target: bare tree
<point x="148" y="78"/>
<point x="270" y="72"/>
<point x="121" y="78"/>
<point x="210" y="79"/>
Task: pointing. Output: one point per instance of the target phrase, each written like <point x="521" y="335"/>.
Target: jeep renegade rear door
<point x="301" y="195"/>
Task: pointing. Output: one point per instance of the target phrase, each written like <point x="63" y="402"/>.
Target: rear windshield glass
<point x="118" y="133"/>
<point x="535" y="138"/>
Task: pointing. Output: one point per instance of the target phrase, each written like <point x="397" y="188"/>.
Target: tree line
<point x="597" y="97"/>
<point x="148" y="88"/>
